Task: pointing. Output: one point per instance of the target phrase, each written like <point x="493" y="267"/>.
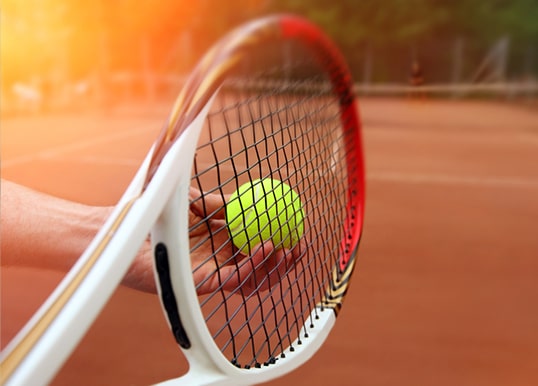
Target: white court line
<point x="56" y="152"/>
<point x="382" y="133"/>
<point x="105" y="160"/>
<point x="400" y="177"/>
<point x="443" y="179"/>
<point x="431" y="178"/>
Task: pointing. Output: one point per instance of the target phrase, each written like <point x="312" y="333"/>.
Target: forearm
<point x="42" y="231"/>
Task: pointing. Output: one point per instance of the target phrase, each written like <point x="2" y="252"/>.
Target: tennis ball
<point x="262" y="210"/>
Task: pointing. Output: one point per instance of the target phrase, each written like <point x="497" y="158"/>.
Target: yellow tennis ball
<point x="263" y="210"/>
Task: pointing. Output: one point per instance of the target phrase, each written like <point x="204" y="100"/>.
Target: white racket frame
<point x="36" y="354"/>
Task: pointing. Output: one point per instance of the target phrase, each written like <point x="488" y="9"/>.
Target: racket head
<point x="276" y="99"/>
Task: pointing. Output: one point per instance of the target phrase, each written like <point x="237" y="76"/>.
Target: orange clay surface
<point x="446" y="288"/>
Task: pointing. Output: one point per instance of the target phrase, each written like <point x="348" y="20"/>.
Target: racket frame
<point x="155" y="197"/>
<point x="208" y="366"/>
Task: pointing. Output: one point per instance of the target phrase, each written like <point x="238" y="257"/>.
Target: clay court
<point x="445" y="292"/>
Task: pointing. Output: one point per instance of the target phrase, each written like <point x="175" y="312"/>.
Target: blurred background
<point x="445" y="291"/>
<point x="57" y="53"/>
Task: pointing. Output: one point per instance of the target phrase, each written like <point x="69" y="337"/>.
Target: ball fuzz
<point x="262" y="210"/>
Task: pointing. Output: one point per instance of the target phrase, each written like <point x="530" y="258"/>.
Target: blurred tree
<point x="397" y="30"/>
<point x="381" y="35"/>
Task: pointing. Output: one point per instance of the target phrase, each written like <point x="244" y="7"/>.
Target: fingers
<point x="263" y="264"/>
<point x="265" y="267"/>
<point x="140" y="274"/>
<point x="206" y="204"/>
<point x="262" y="270"/>
<point x="244" y="274"/>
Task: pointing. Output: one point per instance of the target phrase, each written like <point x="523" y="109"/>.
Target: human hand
<point x="225" y="269"/>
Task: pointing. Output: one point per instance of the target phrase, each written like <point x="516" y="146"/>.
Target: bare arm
<point x="42" y="231"/>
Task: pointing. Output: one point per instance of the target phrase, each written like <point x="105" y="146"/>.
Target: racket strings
<point x="289" y="130"/>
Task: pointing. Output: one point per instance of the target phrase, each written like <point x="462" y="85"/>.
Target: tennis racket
<point x="272" y="99"/>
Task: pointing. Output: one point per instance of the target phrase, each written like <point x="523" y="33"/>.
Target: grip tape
<point x="167" y="296"/>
